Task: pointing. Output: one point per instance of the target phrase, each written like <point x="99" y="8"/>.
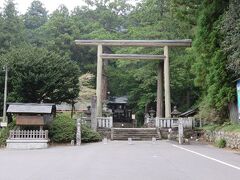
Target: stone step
<point x="128" y="135"/>
<point x="134" y="133"/>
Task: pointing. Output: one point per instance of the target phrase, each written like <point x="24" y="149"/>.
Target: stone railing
<point x="28" y="134"/>
<point x="166" y="122"/>
<point x="173" y="122"/>
<point x="187" y="122"/>
<point x="105" y="122"/>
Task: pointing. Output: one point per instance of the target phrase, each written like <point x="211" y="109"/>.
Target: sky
<point x="50" y="5"/>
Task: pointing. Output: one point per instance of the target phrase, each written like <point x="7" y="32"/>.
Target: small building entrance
<point x="121" y="112"/>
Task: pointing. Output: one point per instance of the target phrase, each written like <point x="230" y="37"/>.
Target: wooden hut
<point x="30" y="114"/>
<point x="30" y="120"/>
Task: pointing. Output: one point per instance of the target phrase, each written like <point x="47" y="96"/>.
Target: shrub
<point x="62" y="129"/>
<point x="88" y="135"/>
<point x="3" y="136"/>
<point x="4" y="133"/>
<point x="221" y="143"/>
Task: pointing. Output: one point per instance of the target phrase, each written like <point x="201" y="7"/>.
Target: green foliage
<point x="210" y="127"/>
<point x="138" y="80"/>
<point x="230" y="127"/>
<point x="230" y="44"/>
<point x="220" y="143"/>
<point x="88" y="135"/>
<point x="140" y="118"/>
<point x="3" y="136"/>
<point x="35" y="16"/>
<point x="226" y="126"/>
<point x="200" y="76"/>
<point x="59" y="32"/>
<point x="38" y="75"/>
<point x="11" y="27"/>
<point x="212" y="76"/>
<point x="62" y="129"/>
<point x="4" y="133"/>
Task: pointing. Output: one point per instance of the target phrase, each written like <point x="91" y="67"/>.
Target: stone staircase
<point x="135" y="133"/>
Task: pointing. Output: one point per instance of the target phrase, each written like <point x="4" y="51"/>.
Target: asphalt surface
<point x="118" y="160"/>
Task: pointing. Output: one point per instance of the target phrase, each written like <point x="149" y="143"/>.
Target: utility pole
<point x="5" y="96"/>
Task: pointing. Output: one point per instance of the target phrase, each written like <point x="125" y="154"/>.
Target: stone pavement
<point x="118" y="160"/>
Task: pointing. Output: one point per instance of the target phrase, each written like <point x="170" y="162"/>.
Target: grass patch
<point x="227" y="127"/>
<point x="220" y="143"/>
<point x="210" y="127"/>
<point x="231" y="128"/>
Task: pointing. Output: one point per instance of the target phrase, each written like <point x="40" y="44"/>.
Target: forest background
<point x="45" y="64"/>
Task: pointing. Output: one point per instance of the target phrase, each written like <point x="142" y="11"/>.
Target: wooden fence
<point x="28" y="134"/>
<point x="105" y="122"/>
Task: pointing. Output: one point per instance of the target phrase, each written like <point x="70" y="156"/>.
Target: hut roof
<point x="118" y="100"/>
<point x="30" y="108"/>
<point x="190" y="112"/>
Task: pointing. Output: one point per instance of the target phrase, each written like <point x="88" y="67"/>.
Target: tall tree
<point x="107" y="20"/>
<point x="210" y="65"/>
<point x="35" y="16"/>
<point x="38" y="75"/>
<point x="231" y="29"/>
<point x="12" y="28"/>
<point x="59" y="33"/>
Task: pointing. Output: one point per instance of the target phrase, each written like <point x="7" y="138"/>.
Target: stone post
<point x="99" y="81"/>
<point x="93" y="114"/>
<point x="167" y="84"/>
<point x="180" y="132"/>
<point x="78" y="135"/>
<point x="5" y="95"/>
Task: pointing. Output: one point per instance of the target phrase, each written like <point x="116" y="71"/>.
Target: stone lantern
<point x="88" y="111"/>
<point x="152" y="113"/>
<point x="106" y="111"/>
<point x="151" y="122"/>
<point x="175" y="113"/>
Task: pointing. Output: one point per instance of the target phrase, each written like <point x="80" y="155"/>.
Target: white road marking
<point x="213" y="159"/>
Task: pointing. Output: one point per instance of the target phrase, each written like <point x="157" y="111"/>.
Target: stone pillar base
<point x="27" y="143"/>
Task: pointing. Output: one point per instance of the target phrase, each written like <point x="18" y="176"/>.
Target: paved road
<point x="121" y="161"/>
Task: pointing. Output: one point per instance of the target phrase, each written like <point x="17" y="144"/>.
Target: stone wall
<point x="188" y="133"/>
<point x="104" y="132"/>
<point x="27" y="143"/>
<point x="122" y="125"/>
<point x="232" y="138"/>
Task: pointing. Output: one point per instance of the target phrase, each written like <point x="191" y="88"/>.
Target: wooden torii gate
<point x="162" y="69"/>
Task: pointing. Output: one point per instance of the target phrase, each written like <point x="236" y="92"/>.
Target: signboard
<point x="3" y="124"/>
<point x="238" y="98"/>
<point x="133" y="116"/>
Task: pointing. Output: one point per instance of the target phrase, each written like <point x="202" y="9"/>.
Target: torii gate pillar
<point x="160" y="90"/>
<point x="99" y="81"/>
<point x="167" y="84"/>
